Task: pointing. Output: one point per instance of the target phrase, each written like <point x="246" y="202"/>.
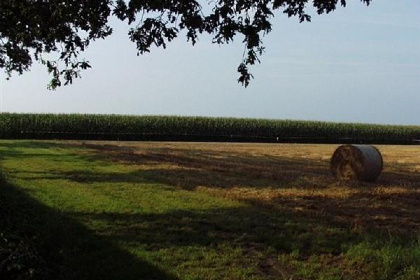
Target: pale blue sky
<point x="358" y="64"/>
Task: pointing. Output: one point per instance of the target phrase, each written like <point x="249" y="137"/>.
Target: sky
<point x="358" y="64"/>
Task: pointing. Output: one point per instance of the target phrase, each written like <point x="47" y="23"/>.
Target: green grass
<point x="76" y="213"/>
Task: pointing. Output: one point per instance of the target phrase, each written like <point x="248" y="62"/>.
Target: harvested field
<point x="213" y="211"/>
<point x="284" y="176"/>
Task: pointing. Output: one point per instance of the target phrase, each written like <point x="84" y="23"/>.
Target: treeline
<point x="175" y="128"/>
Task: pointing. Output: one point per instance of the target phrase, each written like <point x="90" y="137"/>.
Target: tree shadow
<point x="242" y="227"/>
<point x="189" y="168"/>
<point x="40" y="243"/>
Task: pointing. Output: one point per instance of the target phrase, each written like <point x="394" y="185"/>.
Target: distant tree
<point x="55" y="32"/>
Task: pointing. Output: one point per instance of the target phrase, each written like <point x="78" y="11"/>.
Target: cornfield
<point x="176" y="128"/>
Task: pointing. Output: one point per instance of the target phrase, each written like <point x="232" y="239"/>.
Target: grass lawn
<point x="154" y="210"/>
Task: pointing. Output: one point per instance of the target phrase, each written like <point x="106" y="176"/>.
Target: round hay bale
<point x="356" y="162"/>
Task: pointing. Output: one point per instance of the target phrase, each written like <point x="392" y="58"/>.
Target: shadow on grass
<point x="39" y="243"/>
<point x="216" y="169"/>
<point x="243" y="227"/>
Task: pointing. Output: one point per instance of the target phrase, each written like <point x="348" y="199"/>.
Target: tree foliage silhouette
<point x="56" y="32"/>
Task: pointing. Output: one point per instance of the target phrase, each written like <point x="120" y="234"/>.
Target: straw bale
<point x="356" y="162"/>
